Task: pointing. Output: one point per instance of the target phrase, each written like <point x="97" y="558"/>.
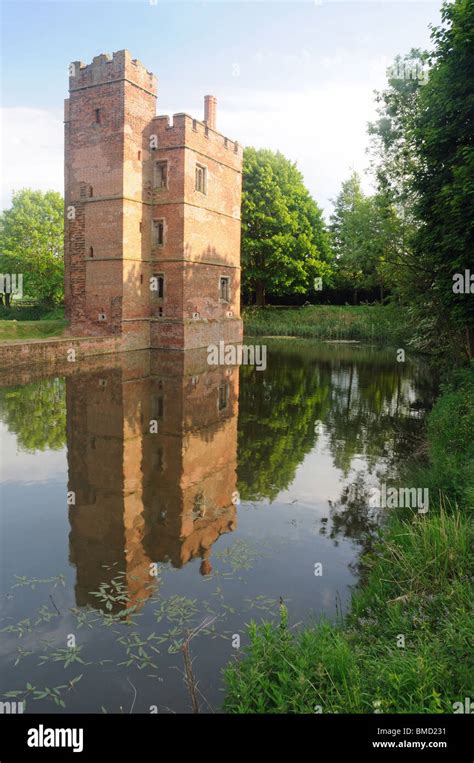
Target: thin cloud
<point x="32" y="147"/>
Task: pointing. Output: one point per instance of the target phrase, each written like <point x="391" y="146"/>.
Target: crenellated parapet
<point x="107" y="68"/>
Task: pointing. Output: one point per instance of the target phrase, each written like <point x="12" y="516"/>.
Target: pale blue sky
<point x="297" y="76"/>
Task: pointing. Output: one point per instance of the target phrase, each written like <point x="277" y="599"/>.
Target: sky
<point x="292" y="76"/>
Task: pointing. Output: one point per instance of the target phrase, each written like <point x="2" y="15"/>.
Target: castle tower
<point x="152" y="229"/>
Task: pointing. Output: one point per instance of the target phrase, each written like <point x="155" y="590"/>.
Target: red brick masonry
<point x="146" y="196"/>
<point x="51" y="353"/>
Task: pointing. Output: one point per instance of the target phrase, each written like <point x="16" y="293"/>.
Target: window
<point x="223" y="396"/>
<point x="224" y="288"/>
<point x="158" y="237"/>
<point x="157" y="285"/>
<point x="161" y="174"/>
<point x="91" y="251"/>
<point x="201" y="178"/>
<point x="157" y="407"/>
<point x="97" y="116"/>
<point x="139" y="156"/>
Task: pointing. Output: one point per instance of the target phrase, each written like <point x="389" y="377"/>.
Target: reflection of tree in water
<point x="376" y="412"/>
<point x="352" y="517"/>
<point x="36" y="412"/>
<point x="278" y="409"/>
<point x="372" y="408"/>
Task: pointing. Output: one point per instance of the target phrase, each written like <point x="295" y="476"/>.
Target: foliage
<point x="31" y="243"/>
<point x="451" y="445"/>
<point x="444" y="176"/>
<point x="392" y="148"/>
<point x="365" y="231"/>
<point x="423" y="159"/>
<point x="21" y="311"/>
<point x="284" y="241"/>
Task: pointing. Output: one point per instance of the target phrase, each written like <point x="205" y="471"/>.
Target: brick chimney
<point x="210" y="108"/>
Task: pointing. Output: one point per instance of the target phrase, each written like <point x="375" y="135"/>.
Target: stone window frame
<point x="203" y="167"/>
<point x="165" y="163"/>
<point x="225" y="300"/>
<point x="154" y="241"/>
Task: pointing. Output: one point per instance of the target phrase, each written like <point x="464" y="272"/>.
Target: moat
<point x="148" y="495"/>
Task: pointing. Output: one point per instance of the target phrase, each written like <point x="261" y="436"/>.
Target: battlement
<point x="184" y="129"/>
<point x="106" y="68"/>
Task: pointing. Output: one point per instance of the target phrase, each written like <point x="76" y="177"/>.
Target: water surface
<point x="148" y="495"/>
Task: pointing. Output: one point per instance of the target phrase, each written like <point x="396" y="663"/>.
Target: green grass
<point x="417" y="585"/>
<point x="366" y="323"/>
<point x="22" y="311"/>
<point x="18" y="330"/>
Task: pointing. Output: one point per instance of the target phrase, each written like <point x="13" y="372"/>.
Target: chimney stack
<point x="210" y="107"/>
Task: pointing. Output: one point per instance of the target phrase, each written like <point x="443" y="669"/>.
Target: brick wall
<point x="112" y="143"/>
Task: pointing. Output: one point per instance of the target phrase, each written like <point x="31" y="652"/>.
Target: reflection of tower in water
<point x="152" y="447"/>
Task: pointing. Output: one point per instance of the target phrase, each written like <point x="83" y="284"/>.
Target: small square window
<point x="201" y="178"/>
<point x="161" y="174"/>
<point x="158" y="237"/>
<point x="224" y="288"/>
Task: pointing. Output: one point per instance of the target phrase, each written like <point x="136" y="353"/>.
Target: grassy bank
<point x="12" y="330"/>
<point x="404" y="646"/>
<point x="365" y="323"/>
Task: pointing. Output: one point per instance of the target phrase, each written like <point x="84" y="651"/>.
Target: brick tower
<point x="152" y="228"/>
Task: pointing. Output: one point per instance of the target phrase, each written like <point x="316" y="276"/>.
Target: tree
<point x="31" y="243"/>
<point x="392" y="149"/>
<point x="423" y="153"/>
<point x="444" y="176"/>
<point x="285" y="245"/>
<point x="364" y="233"/>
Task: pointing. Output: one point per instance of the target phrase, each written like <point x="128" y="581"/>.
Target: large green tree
<point x="365" y="233"/>
<point x="31" y="243"/>
<point x="444" y="175"/>
<point x="285" y="245"/>
<point x="423" y="158"/>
